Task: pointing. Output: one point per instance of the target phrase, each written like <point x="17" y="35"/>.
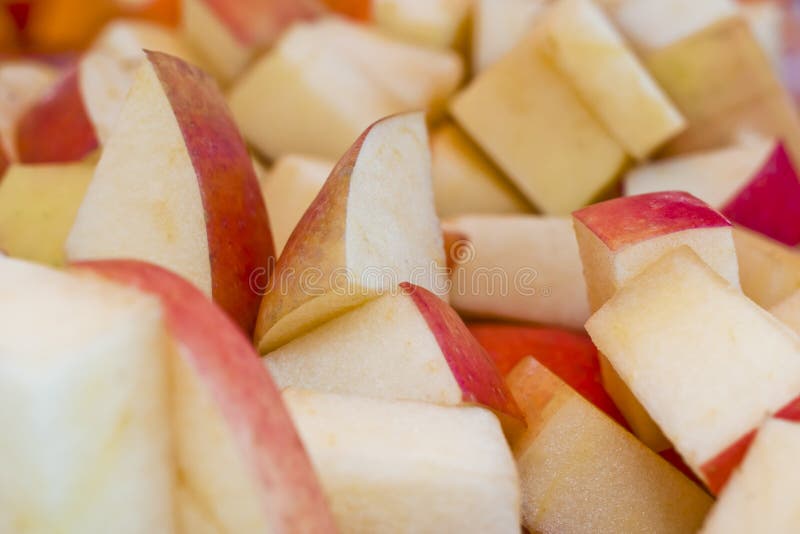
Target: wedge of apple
<point x="769" y="271"/>
<point x="289" y="188"/>
<point x="581" y="472"/>
<point x="754" y="185"/>
<point x="760" y="495"/>
<point x="79" y="112"/>
<point x="22" y="83"/>
<point x="706" y="362"/>
<point x="340" y="74"/>
<point x="618" y="238"/>
<point x="498" y="25"/>
<point x="465" y="181"/>
<point x="38" y="205"/>
<point x="240" y="460"/>
<point x="231" y="34"/>
<point x="84" y="385"/>
<point x="434" y="23"/>
<point x="372" y="226"/>
<point x="407" y="345"/>
<point x="389" y="466"/>
<point x="517" y="267"/>
<point x="175" y="186"/>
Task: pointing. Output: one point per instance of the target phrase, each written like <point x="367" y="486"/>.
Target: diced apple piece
<point x="619" y="238"/>
<point x="230" y="34"/>
<point x="38" y="205"/>
<point x="22" y="83"/>
<point x="435" y="23"/>
<point x="372" y="226"/>
<point x="761" y="495"/>
<point x="406" y="345"/>
<point x="581" y="472"/>
<point x="498" y="25"/>
<point x="83" y="382"/>
<point x="239" y="457"/>
<point x="587" y="48"/>
<point x="724" y="84"/>
<point x="569" y="355"/>
<point x="465" y="181"/>
<point x="524" y="96"/>
<point x="707" y="363"/>
<point x="79" y="113"/>
<point x="754" y="185"/>
<point x="400" y="466"/>
<point x="175" y="186"/>
<point x="788" y="311"/>
<point x="289" y="188"/>
<point x="769" y="271"/>
<point x="523" y="268"/>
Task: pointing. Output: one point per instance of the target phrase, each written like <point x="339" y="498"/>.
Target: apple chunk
<point x="581" y="472"/>
<point x="707" y="363"/>
<point x="434" y="23"/>
<point x="372" y="226"/>
<point x="240" y="460"/>
<point x="400" y="466"/>
<point x="761" y="496"/>
<point x="84" y="387"/>
<point x="619" y="238"/>
<point x="498" y="25"/>
<point x="769" y="271"/>
<point x="517" y="267"/>
<point x="754" y="185"/>
<point x="175" y="186"/>
<point x="22" y="83"/>
<point x="406" y="345"/>
<point x="38" y="205"/>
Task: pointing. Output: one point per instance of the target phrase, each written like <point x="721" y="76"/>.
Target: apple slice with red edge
<point x="240" y="460"/>
<point x="175" y="186"/>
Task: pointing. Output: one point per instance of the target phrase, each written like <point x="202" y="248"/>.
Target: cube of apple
<point x="435" y="23"/>
<point x="289" y="188"/>
<point x="79" y="113"/>
<point x="339" y="74"/>
<point x="231" y="34"/>
<point x="581" y="472"/>
<point x="618" y="238"/>
<point x="760" y="495"/>
<point x="589" y="51"/>
<point x="754" y="185"/>
<point x="706" y="362"/>
<point x="406" y="345"/>
<point x="769" y="271"/>
<point x="372" y="226"/>
<point x="517" y="267"/>
<point x="498" y="25"/>
<point x="400" y="466"/>
<point x="84" y="388"/>
<point x="22" y="83"/>
<point x="38" y="205"/>
<point x="525" y="96"/>
<point x="242" y="467"/>
<point x="724" y="84"/>
<point x="176" y="187"/>
<point x="465" y="181"/>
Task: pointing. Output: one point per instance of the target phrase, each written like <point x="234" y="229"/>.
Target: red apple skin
<point x="718" y="471"/>
<point x="473" y="369"/>
<point x="257" y="23"/>
<point x="569" y="355"/>
<point x="770" y="202"/>
<point x="629" y="220"/>
<point x="57" y="128"/>
<point x="245" y="393"/>
<point x="239" y="237"/>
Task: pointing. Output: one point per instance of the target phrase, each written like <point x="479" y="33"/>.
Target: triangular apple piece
<point x="241" y="463"/>
<point x="85" y="393"/>
<point x="405" y="345"/>
<point x="175" y="186"/>
<point x="372" y="226"/>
